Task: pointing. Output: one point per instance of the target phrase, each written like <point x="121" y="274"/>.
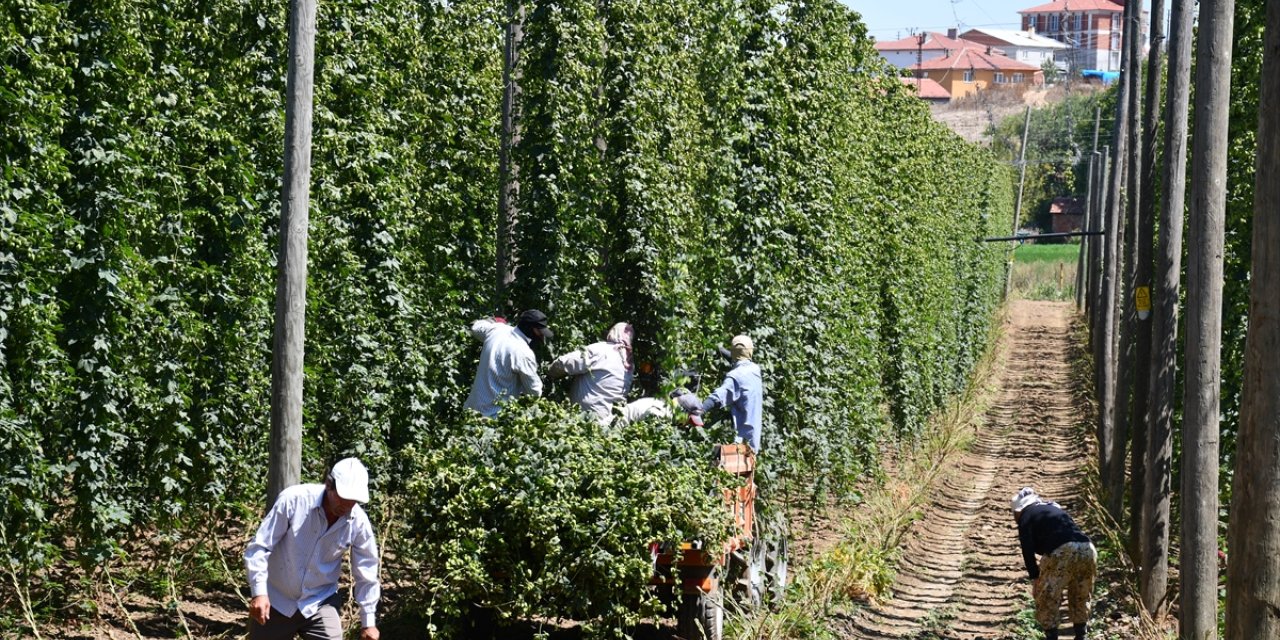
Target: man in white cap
<point x="1069" y="561"/>
<point x="742" y="392"/>
<point x="295" y="559"/>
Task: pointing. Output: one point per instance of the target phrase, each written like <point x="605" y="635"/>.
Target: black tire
<point x="701" y="617"/>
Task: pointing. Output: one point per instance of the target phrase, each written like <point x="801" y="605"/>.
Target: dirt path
<point x="961" y="574"/>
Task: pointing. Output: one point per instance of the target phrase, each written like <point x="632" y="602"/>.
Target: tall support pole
<point x="1126" y="313"/>
<point x="1101" y="298"/>
<point x="1253" y="575"/>
<point x="1198" y="558"/>
<point x="1085" y="242"/>
<point x="1158" y="486"/>
<point x="1090" y="213"/>
<point x="285" y="463"/>
<point x="1091" y="294"/>
<point x="1145" y="238"/>
<point x="1110" y="275"/>
<point x="508" y="185"/>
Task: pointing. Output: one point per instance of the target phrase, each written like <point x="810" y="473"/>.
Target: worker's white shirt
<point x="296" y="557"/>
<point x="507" y="367"/>
<point x="599" y="378"/>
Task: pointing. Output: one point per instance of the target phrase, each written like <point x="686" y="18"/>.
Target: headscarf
<point x="743" y="348"/>
<point x="620" y="336"/>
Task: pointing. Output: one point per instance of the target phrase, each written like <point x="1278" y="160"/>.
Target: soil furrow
<point x="961" y="573"/>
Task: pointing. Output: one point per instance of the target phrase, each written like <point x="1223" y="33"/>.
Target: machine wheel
<point x="775" y="569"/>
<point x="772" y="538"/>
<point x="746" y="576"/>
<point x="701" y="617"/>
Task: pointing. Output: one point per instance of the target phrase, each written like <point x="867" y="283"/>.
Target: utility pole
<point x="1144" y="232"/>
<point x="1158" y="485"/>
<point x="1253" y="576"/>
<point x="1017" y="210"/>
<point x="920" y="38"/>
<point x="1198" y="558"/>
<point x="508" y="184"/>
<point x="1022" y="170"/>
<point x="285" y="462"/>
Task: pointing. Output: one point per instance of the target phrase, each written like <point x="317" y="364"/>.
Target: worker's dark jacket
<point x="1043" y="528"/>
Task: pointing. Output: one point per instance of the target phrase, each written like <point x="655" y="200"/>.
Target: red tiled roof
<point x="1059" y="6"/>
<point x="934" y="41"/>
<point x="974" y="58"/>
<point x="928" y="88"/>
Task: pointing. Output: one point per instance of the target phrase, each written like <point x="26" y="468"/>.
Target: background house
<point x="928" y="89"/>
<point x="968" y="71"/>
<point x="923" y="46"/>
<point x="1092" y="29"/>
<point x="1067" y="214"/>
<point x="1023" y="46"/>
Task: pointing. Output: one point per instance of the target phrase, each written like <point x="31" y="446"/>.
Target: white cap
<point x="350" y="480"/>
<point x="1024" y="498"/>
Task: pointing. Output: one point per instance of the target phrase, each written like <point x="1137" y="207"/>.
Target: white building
<point x="1023" y="46"/>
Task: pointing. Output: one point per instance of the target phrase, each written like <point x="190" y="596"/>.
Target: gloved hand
<point x="690" y="403"/>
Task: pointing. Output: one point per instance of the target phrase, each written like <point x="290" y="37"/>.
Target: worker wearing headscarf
<point x="600" y="373"/>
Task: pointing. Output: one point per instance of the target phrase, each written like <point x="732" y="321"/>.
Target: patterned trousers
<point x="1071" y="568"/>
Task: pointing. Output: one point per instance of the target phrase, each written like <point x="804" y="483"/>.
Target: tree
<point x="1051" y="71"/>
<point x="291" y="287"/>
<point x="1253" y="576"/>
<point x="1198" y="560"/>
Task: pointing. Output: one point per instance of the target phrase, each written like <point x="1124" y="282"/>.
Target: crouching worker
<point x="295" y="559"/>
<point x="1069" y="561"/>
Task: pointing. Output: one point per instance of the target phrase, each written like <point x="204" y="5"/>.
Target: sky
<point x="893" y="19"/>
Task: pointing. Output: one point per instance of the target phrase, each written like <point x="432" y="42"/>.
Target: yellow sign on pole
<point x="1142" y="298"/>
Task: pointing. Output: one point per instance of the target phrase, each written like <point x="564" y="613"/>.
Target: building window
<point x="968" y="75"/>
<point x="1079" y="22"/>
<point x="999" y="78"/>
<point x="1018" y="78"/>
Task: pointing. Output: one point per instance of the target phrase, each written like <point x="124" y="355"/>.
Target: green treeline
<point x="698" y="167"/>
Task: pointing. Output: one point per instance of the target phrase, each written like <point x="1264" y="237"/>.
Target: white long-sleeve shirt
<point x="507" y="367"/>
<point x="296" y="557"/>
<point x="599" y="378"/>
